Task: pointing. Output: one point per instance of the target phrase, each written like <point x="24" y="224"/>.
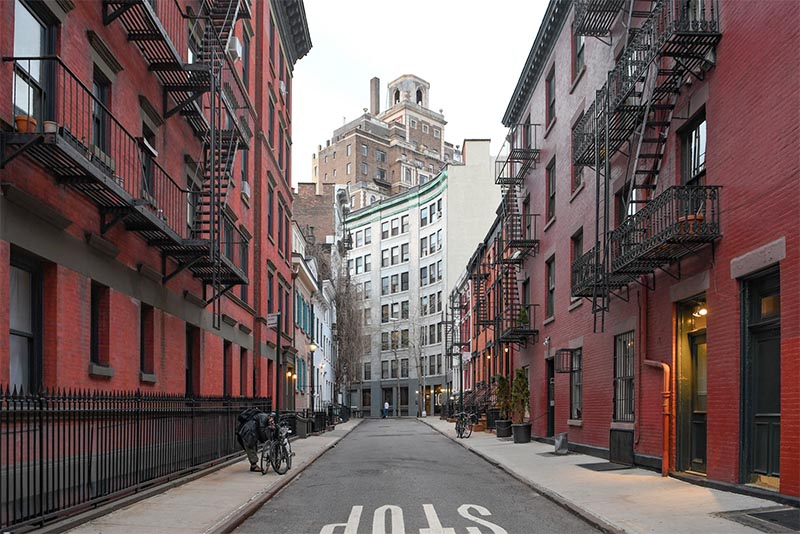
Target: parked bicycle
<point x="464" y="422"/>
<point x="277" y="451"/>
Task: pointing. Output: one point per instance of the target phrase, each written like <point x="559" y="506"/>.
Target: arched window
<point x="372" y="199"/>
<point x="419" y="97"/>
<point x="397" y="96"/>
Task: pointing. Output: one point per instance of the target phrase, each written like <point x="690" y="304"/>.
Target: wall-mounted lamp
<point x="700" y="311"/>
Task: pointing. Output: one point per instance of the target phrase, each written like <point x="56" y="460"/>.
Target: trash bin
<point x="319" y="421"/>
<point x="304" y="427"/>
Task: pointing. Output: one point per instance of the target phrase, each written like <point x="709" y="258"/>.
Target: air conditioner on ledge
<point x="234" y="48"/>
<point x="246" y="190"/>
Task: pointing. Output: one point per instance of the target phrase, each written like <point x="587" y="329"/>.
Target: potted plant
<point x="503" y="423"/>
<point x="523" y="318"/>
<point x="25" y="123"/>
<point x="520" y="400"/>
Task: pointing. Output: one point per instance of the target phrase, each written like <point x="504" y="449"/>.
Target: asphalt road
<point x="400" y="475"/>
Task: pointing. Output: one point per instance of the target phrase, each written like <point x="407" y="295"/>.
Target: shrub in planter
<point x="503" y="423"/>
<point x="520" y="400"/>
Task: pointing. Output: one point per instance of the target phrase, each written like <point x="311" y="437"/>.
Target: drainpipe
<point x="665" y="390"/>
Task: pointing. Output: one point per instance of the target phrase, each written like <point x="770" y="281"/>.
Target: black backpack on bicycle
<point x="245" y="416"/>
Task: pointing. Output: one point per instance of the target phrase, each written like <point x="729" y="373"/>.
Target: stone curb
<point x="241" y="514"/>
<point x="601" y="524"/>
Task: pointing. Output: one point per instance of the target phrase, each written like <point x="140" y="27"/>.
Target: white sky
<point x="470" y="51"/>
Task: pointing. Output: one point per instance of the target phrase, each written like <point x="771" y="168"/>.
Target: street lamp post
<point x="312" y="348"/>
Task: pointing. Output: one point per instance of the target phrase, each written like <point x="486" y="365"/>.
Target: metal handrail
<point x="118" y="153"/>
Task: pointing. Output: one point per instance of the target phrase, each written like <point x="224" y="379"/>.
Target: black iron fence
<point x="62" y="452"/>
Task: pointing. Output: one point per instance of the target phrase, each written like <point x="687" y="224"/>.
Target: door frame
<point x="550" y="381"/>
<point x="687" y="327"/>
<point x="746" y="410"/>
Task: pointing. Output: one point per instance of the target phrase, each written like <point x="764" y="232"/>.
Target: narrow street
<point x="420" y="481"/>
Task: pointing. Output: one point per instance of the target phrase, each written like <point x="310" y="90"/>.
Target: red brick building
<point x="668" y="314"/>
<point x="146" y="193"/>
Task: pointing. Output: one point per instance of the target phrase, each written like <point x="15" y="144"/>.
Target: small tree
<point x="503" y="396"/>
<point x="520" y="396"/>
<point x="523" y="318"/>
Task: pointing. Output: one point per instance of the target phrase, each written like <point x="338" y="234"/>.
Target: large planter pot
<point x="492" y="415"/>
<point x="521" y="432"/>
<point x="503" y="428"/>
<point x="25" y="123"/>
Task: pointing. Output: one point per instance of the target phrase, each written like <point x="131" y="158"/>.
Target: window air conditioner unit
<point x="282" y="87"/>
<point x="234" y="48"/>
<point x="246" y="190"/>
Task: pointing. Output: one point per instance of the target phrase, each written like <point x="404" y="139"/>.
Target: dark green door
<point x="699" y="381"/>
<point x="761" y="384"/>
<point x="766" y="414"/>
<point x="551" y="398"/>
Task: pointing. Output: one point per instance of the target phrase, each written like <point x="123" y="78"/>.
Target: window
<point x="404" y="281"/>
<point x="101" y="90"/>
<point x="367" y="236"/>
<point x="348" y="169"/>
<point x="384" y="369"/>
<point x="366" y="399"/>
<point x="578" y="45"/>
<point x="359" y="265"/>
<point x="623" y="376"/>
<point x="395" y="255"/>
<point x="423" y="305"/>
<point x="359" y="238"/>
<point x="99" y="330"/>
<point x="280" y="227"/>
<point x="367" y="316"/>
<point x="394" y="368"/>
<point x="385" y="257"/>
<point x="432" y="364"/>
<point x="395" y="310"/>
<point x="550" y="266"/>
<point x="385" y="341"/>
<point x="364" y="169"/>
<point x="380" y="156"/>
<point x="380" y="174"/>
<point x="243" y="263"/>
<point x="423" y="246"/>
<point x="693" y="152"/>
<point x="423" y="276"/>
<point x="407" y="175"/>
<point x="404" y="337"/>
<point x="395" y="282"/>
<point x="349" y="151"/>
<point x="367" y="290"/>
<point x="414" y="123"/>
<point x="227" y="239"/>
<point x="432" y="243"/>
<point x="271" y="125"/>
<point x="385" y="230"/>
<point x="577" y="170"/>
<point x="148" y="153"/>
<point x="439" y="238"/>
<point x="404" y="374"/>
<point x="25" y="327"/>
<point x="404" y="310"/>
<point x="577" y="247"/>
<point x="404" y="253"/>
<point x="385" y="313"/>
<point x="32" y="38"/>
<point x="270" y="283"/>
<point x="271" y="41"/>
<point x="270" y="202"/>
<point x="550" y="96"/>
<point x="367" y="263"/>
<point x="576" y="386"/>
<point x="395" y="227"/>
<point x="367" y="370"/>
<point x="437" y="133"/>
<point x="551" y="189"/>
<point x="404" y="224"/>
<point x="423" y="217"/>
<point x="384" y="285"/>
<point x="364" y="150"/>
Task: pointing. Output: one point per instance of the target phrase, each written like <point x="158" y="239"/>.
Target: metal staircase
<point x="635" y="107"/>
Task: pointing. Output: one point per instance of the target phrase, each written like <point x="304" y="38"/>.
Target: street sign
<point x="272" y="320"/>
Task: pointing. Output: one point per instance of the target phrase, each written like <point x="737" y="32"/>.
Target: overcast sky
<point x="470" y="51"/>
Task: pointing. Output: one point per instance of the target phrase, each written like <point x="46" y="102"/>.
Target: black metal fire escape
<point x="517" y="239"/>
<point x="635" y="108"/>
<point x="209" y="95"/>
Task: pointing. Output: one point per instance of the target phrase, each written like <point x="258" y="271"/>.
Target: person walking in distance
<point x="386" y="409"/>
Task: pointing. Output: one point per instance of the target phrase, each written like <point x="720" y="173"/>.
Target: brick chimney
<point x="375" y="96"/>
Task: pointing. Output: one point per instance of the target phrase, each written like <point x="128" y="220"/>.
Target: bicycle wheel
<point x="279" y="459"/>
<point x="459" y="428"/>
<point x="265" y="448"/>
<point x="288" y="451"/>
<point x="468" y="429"/>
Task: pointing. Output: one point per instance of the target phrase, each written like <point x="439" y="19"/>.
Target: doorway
<point x="761" y="380"/>
<point x="692" y="385"/>
<point x="551" y="398"/>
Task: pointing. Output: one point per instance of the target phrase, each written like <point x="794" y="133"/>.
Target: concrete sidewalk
<point x="217" y="501"/>
<point x="628" y="500"/>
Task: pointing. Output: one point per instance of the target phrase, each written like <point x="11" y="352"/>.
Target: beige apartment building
<point x="385" y="153"/>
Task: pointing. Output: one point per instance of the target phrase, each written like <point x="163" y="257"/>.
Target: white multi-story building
<point x="403" y="248"/>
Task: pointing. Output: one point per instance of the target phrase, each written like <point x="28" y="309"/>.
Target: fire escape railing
<point x="593" y="18"/>
<point x="671" y="226"/>
<point x="79" y="140"/>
